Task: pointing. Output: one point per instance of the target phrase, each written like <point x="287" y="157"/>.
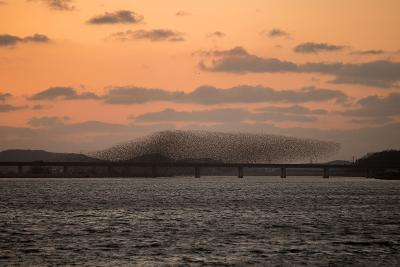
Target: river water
<point x="199" y="222"/>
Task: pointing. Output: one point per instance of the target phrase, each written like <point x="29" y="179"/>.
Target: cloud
<point x="138" y="95"/>
<point x="155" y="35"/>
<point x="182" y="13"/>
<point x="66" y="93"/>
<point x="118" y="17"/>
<point x="47" y="121"/>
<point x="368" y="52"/>
<point x="204" y="95"/>
<point x="37" y="38"/>
<point x="7" y="40"/>
<point x="171" y="115"/>
<point x="381" y="73"/>
<point x="236" y="51"/>
<point x="375" y="120"/>
<point x="58" y="4"/>
<point x="238" y="60"/>
<point x="4" y="96"/>
<point x="375" y="106"/>
<point x="39" y="107"/>
<point x="3" y="3"/>
<point x="217" y="115"/>
<point x="259" y="94"/>
<point x="295" y="109"/>
<point x="277" y="33"/>
<point x="307" y="48"/>
<point x="209" y="95"/>
<point x="8" y="108"/>
<point x="216" y="34"/>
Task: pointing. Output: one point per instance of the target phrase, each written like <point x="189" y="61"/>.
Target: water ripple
<point x="199" y="222"/>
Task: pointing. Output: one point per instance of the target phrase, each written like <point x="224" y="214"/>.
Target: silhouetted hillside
<point x="41" y="155"/>
<point x="384" y="158"/>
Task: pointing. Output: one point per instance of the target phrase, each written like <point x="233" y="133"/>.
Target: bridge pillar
<point x="127" y="171"/>
<point x="20" y="169"/>
<point x="154" y="171"/>
<point x="65" y="169"/>
<point x="109" y="170"/>
<point x="197" y="172"/>
<point x="283" y="172"/>
<point x="240" y="172"/>
<point x="326" y="172"/>
<point x="368" y="173"/>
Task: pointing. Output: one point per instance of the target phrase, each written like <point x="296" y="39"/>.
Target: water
<point x="207" y="221"/>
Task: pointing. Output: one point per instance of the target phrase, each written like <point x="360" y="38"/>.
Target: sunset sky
<point x="81" y="75"/>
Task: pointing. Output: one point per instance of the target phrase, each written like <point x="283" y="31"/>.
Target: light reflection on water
<point x="207" y="221"/>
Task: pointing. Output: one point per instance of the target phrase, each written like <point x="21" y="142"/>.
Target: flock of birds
<point x="225" y="147"/>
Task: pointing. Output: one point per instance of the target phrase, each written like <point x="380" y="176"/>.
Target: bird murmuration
<point x="225" y="147"/>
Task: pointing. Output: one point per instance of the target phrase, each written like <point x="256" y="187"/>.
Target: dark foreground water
<point x="207" y="221"/>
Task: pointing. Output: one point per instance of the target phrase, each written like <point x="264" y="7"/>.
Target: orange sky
<point x="83" y="57"/>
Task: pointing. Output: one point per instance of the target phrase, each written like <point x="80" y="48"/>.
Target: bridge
<point x="197" y="166"/>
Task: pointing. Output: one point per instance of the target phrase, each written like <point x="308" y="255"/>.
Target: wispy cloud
<point x="219" y="115"/>
<point x="66" y="93"/>
<point x="314" y="48"/>
<point x="274" y="33"/>
<point x="295" y="109"/>
<point x="38" y="107"/>
<point x="58" y="4"/>
<point x="4" y="96"/>
<point x="373" y="120"/>
<point x="216" y="34"/>
<point x="156" y="35"/>
<point x="375" y="106"/>
<point x="9" y="108"/>
<point x="368" y="52"/>
<point x="182" y="13"/>
<point x="47" y="121"/>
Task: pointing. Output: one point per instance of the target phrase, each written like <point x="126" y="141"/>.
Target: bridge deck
<point x="173" y="164"/>
<point x="195" y="165"/>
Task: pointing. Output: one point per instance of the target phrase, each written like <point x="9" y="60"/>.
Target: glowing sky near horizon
<point x="158" y="55"/>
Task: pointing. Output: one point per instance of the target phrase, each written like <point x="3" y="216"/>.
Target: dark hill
<point x="41" y="155"/>
<point x="384" y="158"/>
